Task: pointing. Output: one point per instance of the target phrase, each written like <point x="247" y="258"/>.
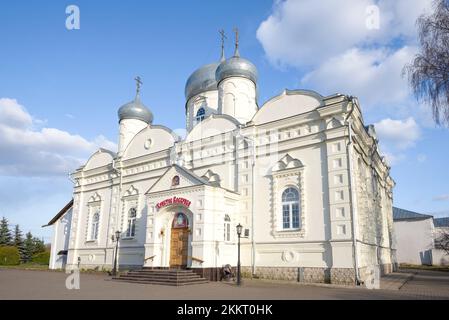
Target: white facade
<point x="415" y="241"/>
<point x="416" y="238"/>
<point x="302" y="174"/>
<point x="60" y="241"/>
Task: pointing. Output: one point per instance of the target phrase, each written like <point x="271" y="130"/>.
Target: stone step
<point x="172" y="277"/>
<point x="161" y="277"/>
<point x="165" y="283"/>
<point x="163" y="273"/>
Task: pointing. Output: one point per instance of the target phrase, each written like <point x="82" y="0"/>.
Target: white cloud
<point x="372" y="74"/>
<point x="13" y="114"/>
<point x="393" y="158"/>
<point x="396" y="136"/>
<point x="401" y="134"/>
<point x="27" y="151"/>
<point x="329" y="42"/>
<point x="306" y="32"/>
<point x="442" y="197"/>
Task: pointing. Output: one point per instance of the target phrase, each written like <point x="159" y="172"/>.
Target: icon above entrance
<point x="179" y="241"/>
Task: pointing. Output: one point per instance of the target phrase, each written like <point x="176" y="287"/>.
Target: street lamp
<point x="239" y="233"/>
<point x="116" y="239"/>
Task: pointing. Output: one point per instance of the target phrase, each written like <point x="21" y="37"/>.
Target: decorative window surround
<point x="287" y="172"/>
<point x="130" y="200"/>
<point x="94" y="206"/>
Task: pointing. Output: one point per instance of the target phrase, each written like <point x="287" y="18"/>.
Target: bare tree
<point x="428" y="73"/>
<point x="442" y="241"/>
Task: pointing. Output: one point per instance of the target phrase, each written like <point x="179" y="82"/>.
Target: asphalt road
<point x="32" y="285"/>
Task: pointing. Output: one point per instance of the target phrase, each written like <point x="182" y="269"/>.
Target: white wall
<point x="414" y="241"/>
<point x="60" y="240"/>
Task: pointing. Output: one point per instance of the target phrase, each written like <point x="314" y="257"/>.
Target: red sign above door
<point x="173" y="201"/>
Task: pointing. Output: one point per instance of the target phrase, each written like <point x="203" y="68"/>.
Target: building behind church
<point x="302" y="174"/>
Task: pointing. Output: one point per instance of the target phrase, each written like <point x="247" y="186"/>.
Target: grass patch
<point x="27" y="266"/>
<point x="422" y="267"/>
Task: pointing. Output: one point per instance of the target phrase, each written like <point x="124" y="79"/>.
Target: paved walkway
<point x="22" y="284"/>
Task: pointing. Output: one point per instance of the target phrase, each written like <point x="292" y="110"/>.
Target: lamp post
<point x="116" y="239"/>
<point x="239" y="233"/>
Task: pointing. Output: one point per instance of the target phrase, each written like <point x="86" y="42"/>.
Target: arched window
<point x="94" y="226"/>
<point x="175" y="181"/>
<point x="200" y="114"/>
<point x="131" y="232"/>
<point x="290" y="209"/>
<point x="227" y="228"/>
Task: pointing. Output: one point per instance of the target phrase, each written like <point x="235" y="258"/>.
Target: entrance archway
<point x="179" y="242"/>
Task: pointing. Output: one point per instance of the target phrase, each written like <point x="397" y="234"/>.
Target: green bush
<point x="9" y="256"/>
<point x="41" y="258"/>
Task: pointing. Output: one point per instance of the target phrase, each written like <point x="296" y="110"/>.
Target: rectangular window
<point x="228" y="232"/>
<point x="295" y="216"/>
<point x="286" y="216"/>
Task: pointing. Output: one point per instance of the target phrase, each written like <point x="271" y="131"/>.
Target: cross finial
<point x="138" y="84"/>
<point x="236" y="52"/>
<point x="223" y="37"/>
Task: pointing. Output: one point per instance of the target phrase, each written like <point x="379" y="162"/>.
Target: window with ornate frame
<point x="93" y="218"/>
<point x="291" y="209"/>
<point x="95" y="223"/>
<point x="288" y="209"/>
<point x="131" y="228"/>
<point x="130" y="213"/>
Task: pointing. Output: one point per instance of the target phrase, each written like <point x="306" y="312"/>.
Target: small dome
<point x="202" y="80"/>
<point x="236" y="67"/>
<point x="135" y="110"/>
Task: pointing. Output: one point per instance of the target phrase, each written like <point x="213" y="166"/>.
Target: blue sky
<point x="60" y="89"/>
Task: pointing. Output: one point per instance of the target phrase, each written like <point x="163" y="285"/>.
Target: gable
<point x="100" y="158"/>
<point x="288" y="104"/>
<point x="186" y="179"/>
<point x="151" y="139"/>
<point x="212" y="126"/>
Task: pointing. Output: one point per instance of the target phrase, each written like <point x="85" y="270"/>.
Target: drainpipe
<point x="353" y="193"/>
<point x="119" y="172"/>
<point x="253" y="196"/>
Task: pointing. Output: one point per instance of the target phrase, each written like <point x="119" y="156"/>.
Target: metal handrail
<point x="150" y="258"/>
<point x="196" y="259"/>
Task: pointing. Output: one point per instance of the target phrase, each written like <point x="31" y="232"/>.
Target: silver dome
<point x="135" y="110"/>
<point x="202" y="80"/>
<point x="236" y="67"/>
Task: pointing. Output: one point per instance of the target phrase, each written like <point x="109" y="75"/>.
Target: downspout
<point x="253" y="196"/>
<point x="353" y="194"/>
<point x="119" y="172"/>
<point x="69" y="176"/>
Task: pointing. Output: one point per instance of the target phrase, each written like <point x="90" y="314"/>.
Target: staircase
<point x="167" y="277"/>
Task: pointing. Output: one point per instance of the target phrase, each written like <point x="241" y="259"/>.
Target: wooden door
<point x="179" y="247"/>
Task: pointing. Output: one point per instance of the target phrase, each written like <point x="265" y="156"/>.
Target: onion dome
<point x="136" y="109"/>
<point x="202" y="80"/>
<point x="236" y="67"/>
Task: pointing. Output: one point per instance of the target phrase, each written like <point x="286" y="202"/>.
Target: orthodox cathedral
<point x="302" y="174"/>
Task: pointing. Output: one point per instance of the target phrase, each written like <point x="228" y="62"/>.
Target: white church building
<point x="301" y="173"/>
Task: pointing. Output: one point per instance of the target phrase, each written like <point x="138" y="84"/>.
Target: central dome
<point x="135" y="110"/>
<point x="202" y="80"/>
<point x="236" y="67"/>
